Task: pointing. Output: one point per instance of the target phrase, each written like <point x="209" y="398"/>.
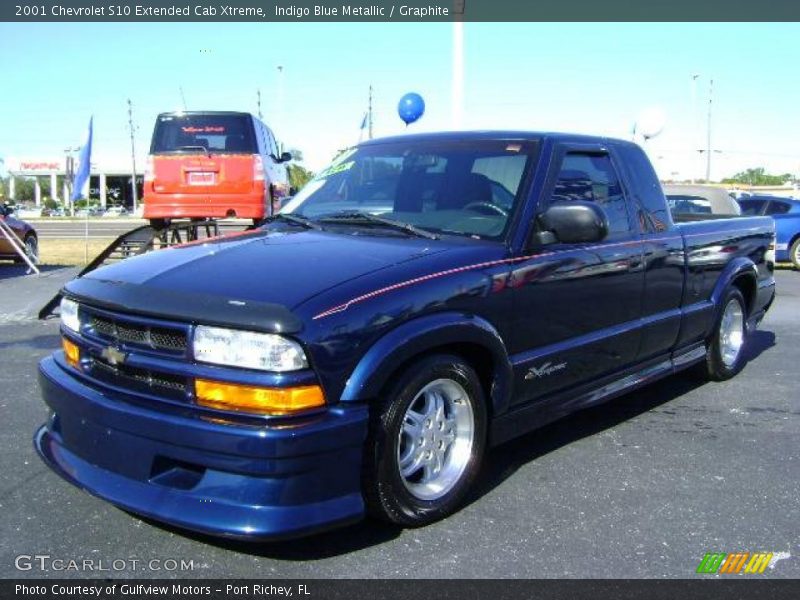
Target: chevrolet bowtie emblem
<point x="113" y="356"/>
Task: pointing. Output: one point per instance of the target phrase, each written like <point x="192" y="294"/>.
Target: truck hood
<point x="252" y="279"/>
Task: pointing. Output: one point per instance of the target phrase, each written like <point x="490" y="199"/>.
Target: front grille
<point x="116" y="330"/>
<point x="141" y="380"/>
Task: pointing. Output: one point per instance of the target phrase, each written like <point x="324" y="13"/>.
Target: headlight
<point x="263" y="351"/>
<point x="69" y="315"/>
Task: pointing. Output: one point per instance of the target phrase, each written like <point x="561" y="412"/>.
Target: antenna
<point x="183" y="98"/>
<point x="708" y="132"/>
<point x="133" y="153"/>
<point x="258" y="104"/>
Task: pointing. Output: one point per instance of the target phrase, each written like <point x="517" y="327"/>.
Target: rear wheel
<point x="724" y="358"/>
<point x="794" y="253"/>
<point x="425" y="443"/>
<point x="258" y="222"/>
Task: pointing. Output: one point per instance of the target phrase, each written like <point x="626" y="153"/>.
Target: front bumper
<point x="230" y="480"/>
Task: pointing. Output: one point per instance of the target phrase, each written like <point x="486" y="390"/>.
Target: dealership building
<point x="109" y="183"/>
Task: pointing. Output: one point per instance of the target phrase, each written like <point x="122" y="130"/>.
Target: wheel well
<point x="477" y="356"/>
<point x="747" y="286"/>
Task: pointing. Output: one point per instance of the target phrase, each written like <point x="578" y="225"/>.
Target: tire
<point x="159" y="224"/>
<point x="724" y="357"/>
<point x="440" y="400"/>
<point x="794" y="254"/>
<point x="31" y="246"/>
<point x="259" y="221"/>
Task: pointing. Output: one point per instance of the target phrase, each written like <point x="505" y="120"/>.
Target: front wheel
<point x="724" y="358"/>
<point x="426" y="443"/>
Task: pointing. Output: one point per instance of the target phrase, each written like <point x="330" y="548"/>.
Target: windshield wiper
<point x="365" y="217"/>
<point x="297" y="220"/>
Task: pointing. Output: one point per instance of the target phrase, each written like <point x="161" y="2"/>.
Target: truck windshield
<point x="465" y="188"/>
<point x="229" y="133"/>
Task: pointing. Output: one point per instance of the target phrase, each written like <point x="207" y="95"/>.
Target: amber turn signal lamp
<point x="257" y="400"/>
<point x="71" y="352"/>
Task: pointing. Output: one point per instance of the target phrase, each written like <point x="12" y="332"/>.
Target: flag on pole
<point x="363" y="127"/>
<point x="84" y="166"/>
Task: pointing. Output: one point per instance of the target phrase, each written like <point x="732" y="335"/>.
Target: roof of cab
<point x="456" y="136"/>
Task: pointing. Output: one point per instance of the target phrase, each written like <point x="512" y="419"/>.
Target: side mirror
<point x="285" y="157"/>
<point x="572" y="222"/>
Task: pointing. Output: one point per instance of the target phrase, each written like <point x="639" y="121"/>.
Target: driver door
<point x="576" y="306"/>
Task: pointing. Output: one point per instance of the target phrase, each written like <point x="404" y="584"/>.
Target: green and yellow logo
<point x="738" y="562"/>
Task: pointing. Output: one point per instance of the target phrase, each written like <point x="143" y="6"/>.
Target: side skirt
<point x="546" y="410"/>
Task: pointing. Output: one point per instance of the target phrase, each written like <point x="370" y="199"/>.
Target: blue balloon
<point x="411" y="107"/>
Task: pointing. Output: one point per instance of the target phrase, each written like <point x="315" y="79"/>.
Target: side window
<point x="273" y="146"/>
<point x="777" y="208"/>
<point x="592" y="177"/>
<point x="751" y="207"/>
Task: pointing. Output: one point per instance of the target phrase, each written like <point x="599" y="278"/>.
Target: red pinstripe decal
<point x="483" y="265"/>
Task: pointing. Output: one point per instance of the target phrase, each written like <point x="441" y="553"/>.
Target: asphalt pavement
<point x="642" y="486"/>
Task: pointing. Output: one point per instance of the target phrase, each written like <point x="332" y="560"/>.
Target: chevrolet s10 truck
<point x="422" y="299"/>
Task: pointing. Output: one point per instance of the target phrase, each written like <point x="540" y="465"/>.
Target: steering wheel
<point x="486" y="207"/>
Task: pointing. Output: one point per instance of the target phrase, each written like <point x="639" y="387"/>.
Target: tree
<point x="758" y="176"/>
<point x="298" y="176"/>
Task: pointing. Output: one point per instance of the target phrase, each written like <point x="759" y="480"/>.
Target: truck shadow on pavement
<point x="500" y="464"/>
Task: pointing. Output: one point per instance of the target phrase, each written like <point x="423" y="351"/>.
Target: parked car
<point x="700" y="201"/>
<point x="26" y="236"/>
<point x="213" y="164"/>
<point x="786" y="213"/>
<point x="337" y="362"/>
<point x="115" y="211"/>
<point x="26" y="211"/>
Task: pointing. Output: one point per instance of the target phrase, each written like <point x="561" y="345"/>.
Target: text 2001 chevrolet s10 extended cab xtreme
<point x="421" y="299"/>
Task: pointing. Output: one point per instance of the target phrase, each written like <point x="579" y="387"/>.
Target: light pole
<point x="281" y="132"/>
<point x="693" y="141"/>
<point x="708" y="131"/>
<point x="69" y="177"/>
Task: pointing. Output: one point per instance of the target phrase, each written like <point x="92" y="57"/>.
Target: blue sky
<point x="591" y="78"/>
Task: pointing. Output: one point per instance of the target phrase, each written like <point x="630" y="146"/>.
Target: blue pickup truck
<point x="422" y="299"/>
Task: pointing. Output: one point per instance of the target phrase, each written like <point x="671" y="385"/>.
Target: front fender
<point x="423" y="334"/>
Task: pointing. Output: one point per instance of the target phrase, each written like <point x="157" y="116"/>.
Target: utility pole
<point x="133" y="154"/>
<point x="258" y="103"/>
<point x="369" y="118"/>
<point x="694" y="126"/>
<point x="708" y="131"/>
<point x="457" y="91"/>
